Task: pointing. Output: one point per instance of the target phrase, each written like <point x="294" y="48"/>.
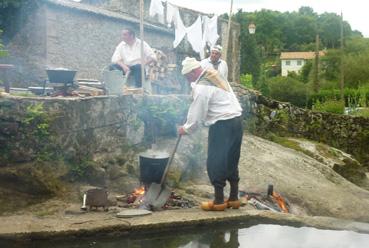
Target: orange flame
<point x="280" y="201"/>
<point x="139" y="191"/>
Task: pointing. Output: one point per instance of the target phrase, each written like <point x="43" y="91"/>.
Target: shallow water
<point x="258" y="236"/>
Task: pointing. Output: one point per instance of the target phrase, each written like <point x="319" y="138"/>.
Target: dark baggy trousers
<point x="135" y="72"/>
<point x="224" y="146"/>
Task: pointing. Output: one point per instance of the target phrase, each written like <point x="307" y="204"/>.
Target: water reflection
<point x="265" y="236"/>
<point x="216" y="239"/>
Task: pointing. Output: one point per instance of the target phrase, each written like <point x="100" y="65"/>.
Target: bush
<point x="353" y="97"/>
<point x="246" y="80"/>
<point x="330" y="106"/>
<point x="288" y="89"/>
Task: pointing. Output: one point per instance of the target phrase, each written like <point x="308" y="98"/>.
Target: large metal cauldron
<point x="61" y="75"/>
<point x="152" y="166"/>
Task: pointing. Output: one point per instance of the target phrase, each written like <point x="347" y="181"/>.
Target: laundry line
<point x="203" y="32"/>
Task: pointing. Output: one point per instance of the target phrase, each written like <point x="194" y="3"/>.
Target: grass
<point x="361" y="112"/>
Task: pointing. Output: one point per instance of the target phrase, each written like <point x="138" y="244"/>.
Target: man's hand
<point x="124" y="67"/>
<point x="181" y="131"/>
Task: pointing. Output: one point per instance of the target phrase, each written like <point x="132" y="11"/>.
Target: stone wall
<point x="93" y="127"/>
<point x="263" y="115"/>
<point x="98" y="126"/>
<point x="83" y="36"/>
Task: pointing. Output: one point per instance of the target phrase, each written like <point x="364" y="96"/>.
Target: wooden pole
<point x="142" y="43"/>
<point x="228" y="33"/>
<point x="316" y="74"/>
<point x="342" y="76"/>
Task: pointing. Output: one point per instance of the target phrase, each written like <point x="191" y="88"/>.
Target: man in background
<point x="127" y="56"/>
<point x="215" y="62"/>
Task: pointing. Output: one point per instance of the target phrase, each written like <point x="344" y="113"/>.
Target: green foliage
<point x="305" y="71"/>
<point x="250" y="56"/>
<point x="296" y="31"/>
<point x="288" y="89"/>
<point x="36" y="120"/>
<point x="361" y="112"/>
<point x="353" y="97"/>
<point x="356" y="69"/>
<point x="160" y="118"/>
<point x="330" y="65"/>
<point x="246" y="80"/>
<point x="36" y="131"/>
<point x="291" y="31"/>
<point x="262" y="84"/>
<point x="78" y="169"/>
<point x="330" y="106"/>
<point x="355" y="59"/>
<point x="2" y="51"/>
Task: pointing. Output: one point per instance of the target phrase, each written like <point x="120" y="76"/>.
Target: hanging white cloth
<point x="157" y="8"/>
<point x="194" y="36"/>
<point x="171" y="12"/>
<point x="180" y="29"/>
<point x="210" y="35"/>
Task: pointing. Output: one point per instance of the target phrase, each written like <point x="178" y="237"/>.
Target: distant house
<point x="294" y="61"/>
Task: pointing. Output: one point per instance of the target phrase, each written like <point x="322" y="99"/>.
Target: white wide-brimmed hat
<point x="189" y="64"/>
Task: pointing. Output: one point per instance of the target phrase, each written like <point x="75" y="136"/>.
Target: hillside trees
<point x="296" y="31"/>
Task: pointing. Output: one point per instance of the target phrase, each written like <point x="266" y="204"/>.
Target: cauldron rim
<point x="154" y="155"/>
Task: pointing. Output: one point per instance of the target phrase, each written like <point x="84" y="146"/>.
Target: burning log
<point x="272" y="201"/>
<point x="136" y="200"/>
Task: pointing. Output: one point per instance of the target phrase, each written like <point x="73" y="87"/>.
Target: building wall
<point x="85" y="42"/>
<point x="293" y="66"/>
<point x="27" y="47"/>
<point x="83" y="37"/>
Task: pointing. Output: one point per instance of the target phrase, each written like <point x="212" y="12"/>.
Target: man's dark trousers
<point x="224" y="147"/>
<point x="135" y="72"/>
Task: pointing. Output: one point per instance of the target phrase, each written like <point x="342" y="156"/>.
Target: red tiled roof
<point x="300" y="55"/>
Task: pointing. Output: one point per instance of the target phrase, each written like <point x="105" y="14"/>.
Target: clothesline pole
<point x="228" y="33"/>
<point x="142" y="44"/>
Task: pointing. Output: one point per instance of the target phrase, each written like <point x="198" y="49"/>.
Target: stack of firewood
<point x="159" y="69"/>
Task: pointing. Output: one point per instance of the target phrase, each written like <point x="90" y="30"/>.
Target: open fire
<point x="272" y="200"/>
<point x="136" y="195"/>
<point x="136" y="198"/>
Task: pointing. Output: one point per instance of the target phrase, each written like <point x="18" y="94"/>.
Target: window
<point x="299" y="62"/>
<point x="288" y="62"/>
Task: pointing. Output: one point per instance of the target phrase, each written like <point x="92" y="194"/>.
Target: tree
<point x="355" y="60"/>
<point x="250" y="55"/>
<point x="288" y="89"/>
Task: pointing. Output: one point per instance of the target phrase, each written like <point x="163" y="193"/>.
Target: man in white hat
<point x="215" y="105"/>
<point x="215" y="62"/>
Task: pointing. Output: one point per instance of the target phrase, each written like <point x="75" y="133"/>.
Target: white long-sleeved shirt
<point x="131" y="55"/>
<point x="210" y="104"/>
<point x="222" y="67"/>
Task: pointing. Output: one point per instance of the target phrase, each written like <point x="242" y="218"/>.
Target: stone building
<point x="82" y="35"/>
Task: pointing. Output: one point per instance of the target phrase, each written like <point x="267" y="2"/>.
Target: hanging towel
<point x="194" y="36"/>
<point x="180" y="29"/>
<point x="171" y="12"/>
<point x="211" y="30"/>
<point x="157" y="8"/>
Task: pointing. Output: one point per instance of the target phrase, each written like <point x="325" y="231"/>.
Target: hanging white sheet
<point x="157" y="8"/>
<point x="194" y="35"/>
<point x="210" y="35"/>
